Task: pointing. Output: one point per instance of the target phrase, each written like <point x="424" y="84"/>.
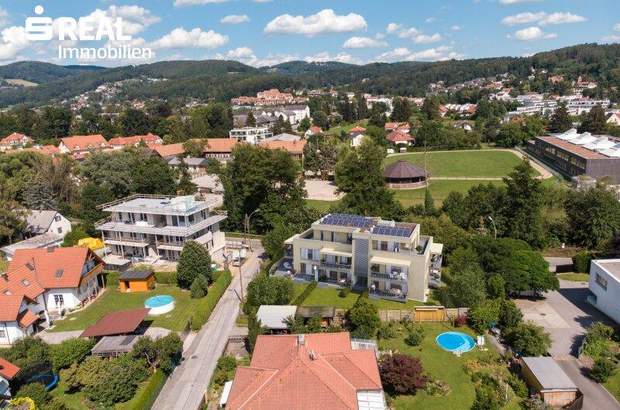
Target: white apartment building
<point x="392" y="260"/>
<point x="605" y="287"/>
<point x="251" y="135"/>
<point x="151" y="227"/>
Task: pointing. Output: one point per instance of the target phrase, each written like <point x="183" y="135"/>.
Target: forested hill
<point x="221" y="80"/>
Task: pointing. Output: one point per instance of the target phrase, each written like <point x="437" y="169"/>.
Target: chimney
<point x="312" y="355"/>
<point x="301" y="340"/>
<point x="4" y="275"/>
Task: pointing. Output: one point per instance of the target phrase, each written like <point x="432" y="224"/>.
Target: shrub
<point x="486" y="399"/>
<point x="147" y="393"/>
<point x="111" y="279"/>
<point x="22" y="403"/>
<point x="387" y="331"/>
<point x="193" y="262"/>
<point x="206" y="305"/>
<point x="518" y="386"/>
<point x="56" y="403"/>
<point x="166" y="278"/>
<point x="602" y="370"/>
<point x="581" y="262"/>
<point x="509" y="315"/>
<point x="534" y="403"/>
<point x="199" y="288"/>
<point x="436" y="387"/>
<point x="402" y="374"/>
<point x="70" y="351"/>
<point x="528" y="339"/>
<point x="460" y="321"/>
<point x="299" y="300"/>
<point x="363" y="315"/>
<point x="415" y="335"/>
<point x="597" y="340"/>
<point x="483" y="316"/>
<point x="225" y="370"/>
<point x="35" y="391"/>
<point x="270" y="290"/>
<point x="344" y="292"/>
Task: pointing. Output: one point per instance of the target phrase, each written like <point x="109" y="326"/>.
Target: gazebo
<point x="404" y="175"/>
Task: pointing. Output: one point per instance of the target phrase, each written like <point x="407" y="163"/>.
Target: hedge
<point x="303" y="295"/>
<point x="146" y="394"/>
<point x="206" y="305"/>
<point x="581" y="262"/>
<point x="111" y="279"/>
<point x="166" y="278"/>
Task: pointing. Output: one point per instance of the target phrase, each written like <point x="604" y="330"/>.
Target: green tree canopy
<point x="194" y="261"/>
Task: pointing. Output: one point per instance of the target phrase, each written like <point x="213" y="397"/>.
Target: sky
<point x="268" y="32"/>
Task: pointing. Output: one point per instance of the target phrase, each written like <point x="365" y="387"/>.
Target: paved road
<point x="566" y="315"/>
<point x="186" y="387"/>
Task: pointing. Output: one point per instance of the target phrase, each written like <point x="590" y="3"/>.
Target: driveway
<point x="566" y="315"/>
<point x="322" y="190"/>
<point x="186" y="387"/>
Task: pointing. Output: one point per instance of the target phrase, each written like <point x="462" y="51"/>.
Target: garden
<point x="601" y="348"/>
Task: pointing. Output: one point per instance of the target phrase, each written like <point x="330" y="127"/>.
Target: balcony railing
<point x="391" y="276"/>
<point x="335" y="265"/>
<point x="393" y="295"/>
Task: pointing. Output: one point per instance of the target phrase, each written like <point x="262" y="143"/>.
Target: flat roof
<point x="117" y="323"/>
<point x="611" y="266"/>
<point x="159" y="206"/>
<point x="573" y="148"/>
<point x="110" y="345"/>
<point x="135" y="275"/>
<point x="273" y="316"/>
<point x="549" y="374"/>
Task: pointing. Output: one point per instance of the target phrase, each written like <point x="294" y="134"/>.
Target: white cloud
<point x="4" y="17"/>
<point x="13" y="41"/>
<point x="617" y="27"/>
<point x="426" y="39"/>
<point x="196" y="38"/>
<point x="432" y="54"/>
<point x="614" y="38"/>
<point x="518" y="1"/>
<point x="411" y="33"/>
<point x="135" y="18"/>
<point x="235" y="19"/>
<point x="393" y="28"/>
<point x="456" y="28"/>
<point x="430" y="20"/>
<point x="364" y="42"/>
<point x="325" y="21"/>
<point x="543" y="18"/>
<point x="325" y="57"/>
<point x="533" y="33"/>
<point x="240" y="52"/>
<point x="181" y="3"/>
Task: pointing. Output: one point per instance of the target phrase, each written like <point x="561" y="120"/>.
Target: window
<point x="57" y="218"/>
<point x="601" y="281"/>
<point x="59" y="300"/>
<point x="2" y="334"/>
<point x="59" y="230"/>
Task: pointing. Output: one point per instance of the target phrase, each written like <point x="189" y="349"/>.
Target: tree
<point x="250" y="121"/>
<point x="510" y="135"/>
<point x="193" y="262"/>
<point x="560" y="120"/>
<point x="509" y="315"/>
<point x="199" y="287"/>
<point x="30" y="354"/>
<point x="528" y="339"/>
<point x="185" y="185"/>
<point x="401" y="110"/>
<point x="304" y="125"/>
<point x="595" y="121"/>
<point x="602" y="370"/>
<point x="12" y="220"/>
<point x="194" y="148"/>
<point x="430" y="108"/>
<point x="72" y="238"/>
<point x="429" y="203"/>
<point x="255" y="329"/>
<point x="134" y="122"/>
<point x="482" y="316"/>
<point x="38" y="195"/>
<point x="35" y="391"/>
<point x="363" y="319"/>
<point x="467" y="287"/>
<point x="496" y="287"/>
<point x="273" y="242"/>
<point x="163" y="353"/>
<point x="402" y="374"/>
<point x="70" y="351"/>
<point x="593" y="216"/>
<point x="269" y="290"/>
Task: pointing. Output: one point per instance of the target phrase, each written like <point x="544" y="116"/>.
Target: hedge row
<point x="166" y="278"/>
<point x="299" y="300"/>
<point x="147" y="393"/>
<point x="206" y="305"/>
<point x="581" y="262"/>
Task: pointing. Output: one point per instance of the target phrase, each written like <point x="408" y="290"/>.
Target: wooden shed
<point x="136" y="281"/>
<point x="547" y="379"/>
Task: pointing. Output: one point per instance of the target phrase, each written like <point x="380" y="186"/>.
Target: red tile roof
<point x="7" y="369"/>
<point x="220" y="145"/>
<point x="316" y="130"/>
<point x="84" y="142"/>
<point x="117" y="323"/>
<point x="322" y="373"/>
<point x="397" y="136"/>
<point x="56" y="267"/>
<point x="135" y="140"/>
<point x="292" y="147"/>
<point x="15" y="137"/>
<point x="9" y="307"/>
<point x="44" y="149"/>
<point x="573" y="148"/>
<point x="26" y="318"/>
<point x="358" y="129"/>
<point x="390" y="126"/>
<point x="20" y="280"/>
<point x="169" y="150"/>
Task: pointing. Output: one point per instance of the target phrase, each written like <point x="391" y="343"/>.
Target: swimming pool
<point x="456" y="342"/>
<point x="159" y="304"/>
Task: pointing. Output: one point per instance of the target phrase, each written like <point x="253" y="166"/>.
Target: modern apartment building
<point x="150" y="227"/>
<point x="390" y="259"/>
<point x="604" y="287"/>
<point x="251" y="135"/>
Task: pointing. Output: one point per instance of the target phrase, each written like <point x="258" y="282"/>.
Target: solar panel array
<point x="348" y="220"/>
<point x="393" y="231"/>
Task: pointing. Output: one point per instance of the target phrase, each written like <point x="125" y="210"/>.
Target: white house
<point x="8" y="371"/>
<point x="605" y="287"/>
<point x="251" y="135"/>
<point x="614" y="119"/>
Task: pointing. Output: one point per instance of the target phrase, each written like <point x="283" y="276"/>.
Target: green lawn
<point x="321" y="206"/>
<point x="346" y="127"/>
<point x="575" y="277"/>
<point x="439" y="190"/>
<point x="112" y="300"/>
<point x="444" y="366"/>
<point x="329" y="297"/>
<point x="474" y="164"/>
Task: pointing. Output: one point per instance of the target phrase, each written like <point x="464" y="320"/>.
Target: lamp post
<point x="494" y="227"/>
<point x="246" y="229"/>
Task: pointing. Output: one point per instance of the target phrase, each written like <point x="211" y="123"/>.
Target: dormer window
<point x="7" y="292"/>
<point x="25" y="282"/>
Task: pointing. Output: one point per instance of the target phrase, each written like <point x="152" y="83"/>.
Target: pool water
<point x="158" y="301"/>
<point x="455" y="342"/>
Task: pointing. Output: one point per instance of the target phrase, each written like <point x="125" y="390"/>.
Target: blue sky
<point x="263" y="32"/>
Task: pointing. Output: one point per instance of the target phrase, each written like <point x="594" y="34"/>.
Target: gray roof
<point x="190" y="161"/>
<point x="403" y="170"/>
<point x="40" y="241"/>
<point x="38" y="222"/>
<point x="284" y="137"/>
<point x="549" y="374"/>
<point x="273" y="317"/>
<point x="112" y="345"/>
<point x="180" y="205"/>
<point x="135" y="274"/>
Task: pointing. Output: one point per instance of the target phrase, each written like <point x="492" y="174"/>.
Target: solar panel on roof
<point x="348" y="220"/>
<point x="392" y="230"/>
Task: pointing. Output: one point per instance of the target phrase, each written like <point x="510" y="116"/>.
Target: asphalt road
<point x="185" y="388"/>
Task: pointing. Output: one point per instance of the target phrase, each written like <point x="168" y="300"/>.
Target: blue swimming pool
<point x="455" y="342"/>
<point x="159" y="304"/>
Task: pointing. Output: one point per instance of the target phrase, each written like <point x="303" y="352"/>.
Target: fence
<point x="422" y="314"/>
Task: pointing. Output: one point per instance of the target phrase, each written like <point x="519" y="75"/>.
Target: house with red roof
<point x="314" y="130"/>
<point x="135" y="140"/>
<point x="400" y="138"/>
<point x="356" y="135"/>
<point x="320" y="371"/>
<point x="403" y="127"/>
<point x="614" y="119"/>
<point x="8" y="371"/>
<point x="81" y="145"/>
<point x="42" y="283"/>
<point x="14" y="140"/>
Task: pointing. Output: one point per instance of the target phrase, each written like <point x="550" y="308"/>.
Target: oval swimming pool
<point x="159" y="304"/>
<point x="456" y="342"/>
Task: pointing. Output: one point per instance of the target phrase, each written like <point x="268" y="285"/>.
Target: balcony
<point x="388" y="295"/>
<point x="394" y="276"/>
<point x="336" y="265"/>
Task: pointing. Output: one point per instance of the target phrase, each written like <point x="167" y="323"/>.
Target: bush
<point x="35" y="391"/>
<point x="509" y="315"/>
<point x="518" y="386"/>
<point x="269" y="290"/>
<point x="602" y="370"/>
<point x="387" y="331"/>
<point x="193" y="262"/>
<point x="486" y="399"/>
<point x="581" y="262"/>
<point x="225" y="370"/>
<point x="460" y="321"/>
<point x="363" y="319"/>
<point x="415" y="335"/>
<point x="147" y="393"/>
<point x="534" y="403"/>
<point x="199" y="288"/>
<point x="483" y="316"/>
<point x="344" y="292"/>
<point x="56" y="403"/>
<point x="166" y="278"/>
<point x="22" y="403"/>
<point x="206" y="305"/>
<point x="299" y="300"/>
<point x="69" y="352"/>
<point x="111" y="279"/>
<point x="402" y="374"/>
<point x="528" y="339"/>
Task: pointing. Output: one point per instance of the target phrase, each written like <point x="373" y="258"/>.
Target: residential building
<point x="356" y="136"/>
<point x="251" y="135"/>
<point x="614" y="119"/>
<point x="8" y="371"/>
<point x="14" y="141"/>
<point x="48" y="150"/>
<point x="151" y="227"/>
<point x="312" y="371"/>
<point x="195" y="166"/>
<point x="604" y="285"/>
<point x="168" y="151"/>
<point x="268" y="98"/>
<point x="294" y="148"/>
<point x="80" y="145"/>
<point x="387" y="101"/>
<point x="44" y="229"/>
<point x="313" y="130"/>
<point x="392" y="260"/>
<point x="134" y="141"/>
<point x="219" y="148"/>
<point x="294" y="114"/>
<point x="403" y="127"/>
<point x="549" y="382"/>
<point x="574" y="154"/>
<point x="400" y="138"/>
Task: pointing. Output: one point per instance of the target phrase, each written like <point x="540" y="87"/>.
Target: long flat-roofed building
<point x="575" y="154"/>
<point x="149" y="227"/>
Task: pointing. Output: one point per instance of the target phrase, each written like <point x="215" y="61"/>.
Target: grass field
<point x="346" y="128"/>
<point x="444" y="366"/>
<point x="472" y="164"/>
<point x="322" y="206"/>
<point x="439" y="190"/>
<point x="575" y="277"/>
<point x="113" y="300"/>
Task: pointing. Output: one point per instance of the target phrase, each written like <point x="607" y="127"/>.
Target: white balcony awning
<point x="332" y="251"/>
<point x="125" y="243"/>
<point x="381" y="260"/>
<point x="436" y="248"/>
